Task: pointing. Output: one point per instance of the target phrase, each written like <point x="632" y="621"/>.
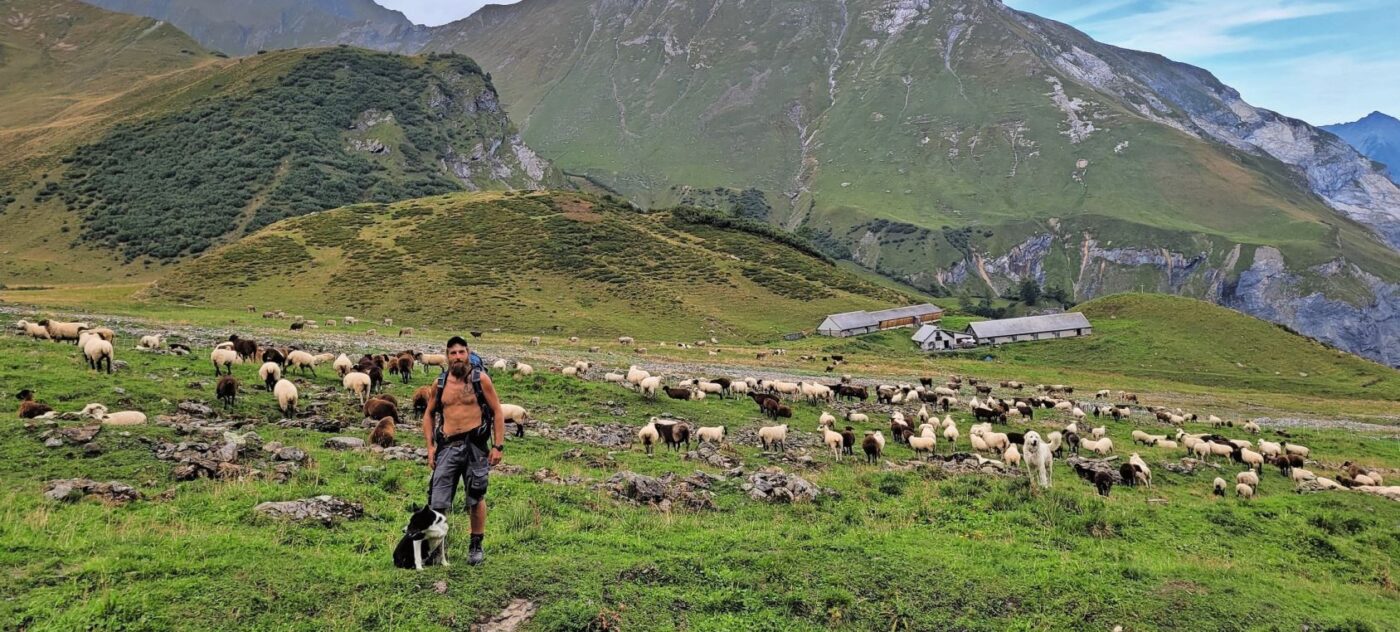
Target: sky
<point x="1323" y="61"/>
<point x="1317" y="60"/>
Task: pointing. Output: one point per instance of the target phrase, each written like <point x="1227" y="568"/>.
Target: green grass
<point x="896" y="550"/>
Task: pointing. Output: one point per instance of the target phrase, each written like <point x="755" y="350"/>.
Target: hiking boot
<point x="474" y="552"/>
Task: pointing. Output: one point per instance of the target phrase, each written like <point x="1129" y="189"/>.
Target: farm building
<point x="932" y="338"/>
<point x="862" y="322"/>
<point x="1047" y="327"/>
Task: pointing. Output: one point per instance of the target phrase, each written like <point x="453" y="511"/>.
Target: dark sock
<point x="476" y="540"/>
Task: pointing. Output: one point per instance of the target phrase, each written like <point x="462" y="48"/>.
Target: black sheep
<point x="677" y="393"/>
<point x="1128" y="473"/>
<point x="1103" y="481"/>
<point x="848" y="441"/>
<point x="871" y="447"/>
<point x="246" y="349"/>
<point x="1072" y="440"/>
<point x="227" y="390"/>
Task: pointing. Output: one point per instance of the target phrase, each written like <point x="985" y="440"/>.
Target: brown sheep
<point x="28" y="408"/>
<point x="382" y="407"/>
<point x="404" y="365"/>
<point x="227" y="390"/>
<point x="420" y="400"/>
<point x="383" y="434"/>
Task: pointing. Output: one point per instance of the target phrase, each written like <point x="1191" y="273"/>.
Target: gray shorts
<point x="462" y="461"/>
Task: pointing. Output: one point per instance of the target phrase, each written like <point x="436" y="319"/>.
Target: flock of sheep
<point x="920" y="430"/>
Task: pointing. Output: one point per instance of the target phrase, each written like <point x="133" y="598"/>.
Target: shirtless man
<point x="461" y="450"/>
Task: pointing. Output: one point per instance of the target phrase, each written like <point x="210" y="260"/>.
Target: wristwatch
<point x="499" y="448"/>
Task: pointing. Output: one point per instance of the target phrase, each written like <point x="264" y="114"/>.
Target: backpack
<point x="482" y="434"/>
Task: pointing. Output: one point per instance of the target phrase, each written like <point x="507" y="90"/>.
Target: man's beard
<point x="458" y="369"/>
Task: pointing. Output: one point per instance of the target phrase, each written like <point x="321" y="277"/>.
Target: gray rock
<point x="195" y="409"/>
<point x="326" y="510"/>
<point x="76" y="488"/>
<point x="344" y="443"/>
<point x="53" y="442"/>
<point x="771" y="484"/>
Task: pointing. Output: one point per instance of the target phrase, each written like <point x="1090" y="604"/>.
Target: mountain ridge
<point x="1376" y="136"/>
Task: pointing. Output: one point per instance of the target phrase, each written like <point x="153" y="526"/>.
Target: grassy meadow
<point x="913" y="550"/>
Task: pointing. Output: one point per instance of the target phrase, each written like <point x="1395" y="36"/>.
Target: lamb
<point x="1248" y="477"/>
<point x="873" y="445"/>
<point x="848" y="441"/>
<point x="710" y="434"/>
<point x="773" y="437"/>
<point x="1243" y="490"/>
<point x="357" y="383"/>
<point x="63" y="332"/>
<point x="97" y="352"/>
<point x="28" y="408"/>
<point x="1142" y="473"/>
<point x="383" y="433"/>
<point x="826" y="420"/>
<point x="149" y="342"/>
<point x="857" y="418"/>
<point x="1038" y="458"/>
<point x="649" y="436"/>
<point x="270" y="373"/>
<point x="516" y="414"/>
<point x="836" y="442"/>
<point x="286" y="393"/>
<point x="1012" y="456"/>
<point x="227" y="390"/>
<point x="1219" y="487"/>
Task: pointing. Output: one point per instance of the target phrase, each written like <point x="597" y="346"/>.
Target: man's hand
<point x="493" y="459"/>
<point x="432" y="458"/>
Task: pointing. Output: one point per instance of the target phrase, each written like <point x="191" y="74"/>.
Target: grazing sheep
<point x="1269" y="448"/>
<point x="270" y="373"/>
<point x="28" y="408"/>
<point x="420" y="400"/>
<point x="569" y="371"/>
<point x="247" y="349"/>
<point x="625" y="340"/>
<point x="1099" y="432"/>
<point x="649" y="437"/>
<point x="1293" y="448"/>
<point x="388" y="322"/>
<point x="826" y="419"/>
<point x="286" y="393"/>
<point x="1012" y="456"/>
<point x="515" y="414"/>
<point x="382" y="407"/>
<point x="873" y="445"/>
<point x="342" y="365"/>
<point x="773" y="437"/>
<point x="63" y="332"/>
<point x="1248" y="457"/>
<point x="649" y="386"/>
<point x="383" y="433"/>
<point x="357" y="383"/>
<point x="1287" y="462"/>
<point x="1103" y="482"/>
<point x="302" y="360"/>
<point x="350" y="320"/>
<point x="440" y="360"/>
<point x="149" y="342"/>
<point x="227" y="390"/>
<point x="97" y="351"/>
<point x="524" y="370"/>
<point x="1248" y="477"/>
<point x="534" y="341"/>
<point x="1251" y="427"/>
<point x="711" y="434"/>
<point x="224" y="357"/>
<point x="1218" y="487"/>
<point x="1142" y="473"/>
<point x="1244" y="490"/>
<point x="405" y="331"/>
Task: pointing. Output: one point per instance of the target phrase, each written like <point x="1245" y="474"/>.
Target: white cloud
<point x="1196" y="29"/>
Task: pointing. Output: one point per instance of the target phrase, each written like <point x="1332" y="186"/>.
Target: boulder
<point x="195" y="409"/>
<point x="71" y="489"/>
<point x="326" y="510"/>
<point x="344" y="443"/>
<point x="771" y="484"/>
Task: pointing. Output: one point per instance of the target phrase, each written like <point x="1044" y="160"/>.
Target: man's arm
<point x="428" y="428"/>
<point x="498" y="428"/>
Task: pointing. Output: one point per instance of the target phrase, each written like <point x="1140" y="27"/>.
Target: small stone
<point x="119" y="390"/>
<point x="344" y="443"/>
<point x="53" y="442"/>
<point x="440" y="586"/>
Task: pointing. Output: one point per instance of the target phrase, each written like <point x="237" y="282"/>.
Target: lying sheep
<point x="149" y="342"/>
<point x="287" y="395"/>
<point x="855" y="417"/>
<point x="123" y="418"/>
<point x="28" y="408"/>
<point x="1097" y="446"/>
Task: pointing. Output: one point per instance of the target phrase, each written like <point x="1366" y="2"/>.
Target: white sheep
<point x="569" y="371"/>
<point x="650" y="385"/>
<point x="1218" y="486"/>
<point x="625" y="340"/>
<point x="712" y="434"/>
<point x="303" y="360"/>
<point x="149" y="342"/>
<point x="500" y="364"/>
<point x="1012" y="456"/>
<point x="857" y="418"/>
<point x="1293" y="448"/>
<point x="33" y="330"/>
<point x="1097" y="446"/>
<point x="1165" y="443"/>
<point x="1299" y="475"/>
<point x="1144" y="473"/>
<point x="738" y="388"/>
<point x="98" y="351"/>
<point x="270" y="373"/>
<point x="1251" y="427"/>
<point x="635" y="375"/>
<point x="343" y="365"/>
<point x="123" y="418"/>
<point x="1244" y="490"/>
<point x="324" y="358"/>
<point x="1078" y="413"/>
<point x="614" y="377"/>
<point x="774" y="436"/>
<point x="1251" y="458"/>
<point x="350" y="320"/>
<point x="835" y="441"/>
<point x="649" y="437"/>
<point x="923" y="412"/>
<point x="357" y="383"/>
<point x="534" y="341"/>
<point x="287" y="395"/>
<point x="1099" y="432"/>
<point x="950" y="434"/>
<point x="997" y="441"/>
<point x="1248" y="477"/>
<point x="224" y="357"/>
<point x="1269" y="448"/>
<point x="523" y="370"/>
<point x="826" y="420"/>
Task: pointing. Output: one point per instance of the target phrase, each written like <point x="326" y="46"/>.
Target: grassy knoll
<point x="894" y="551"/>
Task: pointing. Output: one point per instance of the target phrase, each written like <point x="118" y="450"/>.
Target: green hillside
<point x="530" y="262"/>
